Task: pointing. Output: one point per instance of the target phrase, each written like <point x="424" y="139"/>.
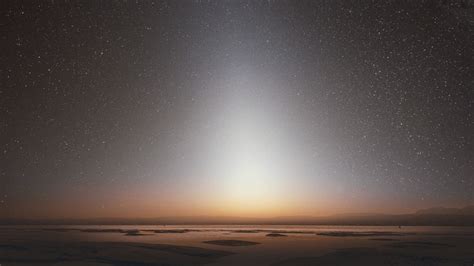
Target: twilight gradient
<point x="239" y="108"/>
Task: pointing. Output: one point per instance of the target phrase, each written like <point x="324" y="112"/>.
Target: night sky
<point x="241" y="108"/>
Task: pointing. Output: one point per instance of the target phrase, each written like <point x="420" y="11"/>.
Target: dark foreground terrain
<point x="237" y="245"/>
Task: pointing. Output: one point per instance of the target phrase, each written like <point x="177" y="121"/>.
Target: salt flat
<point x="235" y="245"/>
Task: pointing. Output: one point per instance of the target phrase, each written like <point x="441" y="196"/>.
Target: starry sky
<point x="239" y="108"/>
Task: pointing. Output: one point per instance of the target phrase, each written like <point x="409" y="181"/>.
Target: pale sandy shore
<point x="148" y="245"/>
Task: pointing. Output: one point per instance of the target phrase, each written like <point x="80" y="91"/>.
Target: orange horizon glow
<point x="146" y="208"/>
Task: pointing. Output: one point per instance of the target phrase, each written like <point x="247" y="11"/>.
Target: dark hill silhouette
<point x="468" y="210"/>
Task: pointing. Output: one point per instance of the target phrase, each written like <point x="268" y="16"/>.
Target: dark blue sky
<point x="205" y="107"/>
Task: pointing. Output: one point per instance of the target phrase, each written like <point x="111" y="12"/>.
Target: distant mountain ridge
<point x="468" y="210"/>
<point x="425" y="217"/>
